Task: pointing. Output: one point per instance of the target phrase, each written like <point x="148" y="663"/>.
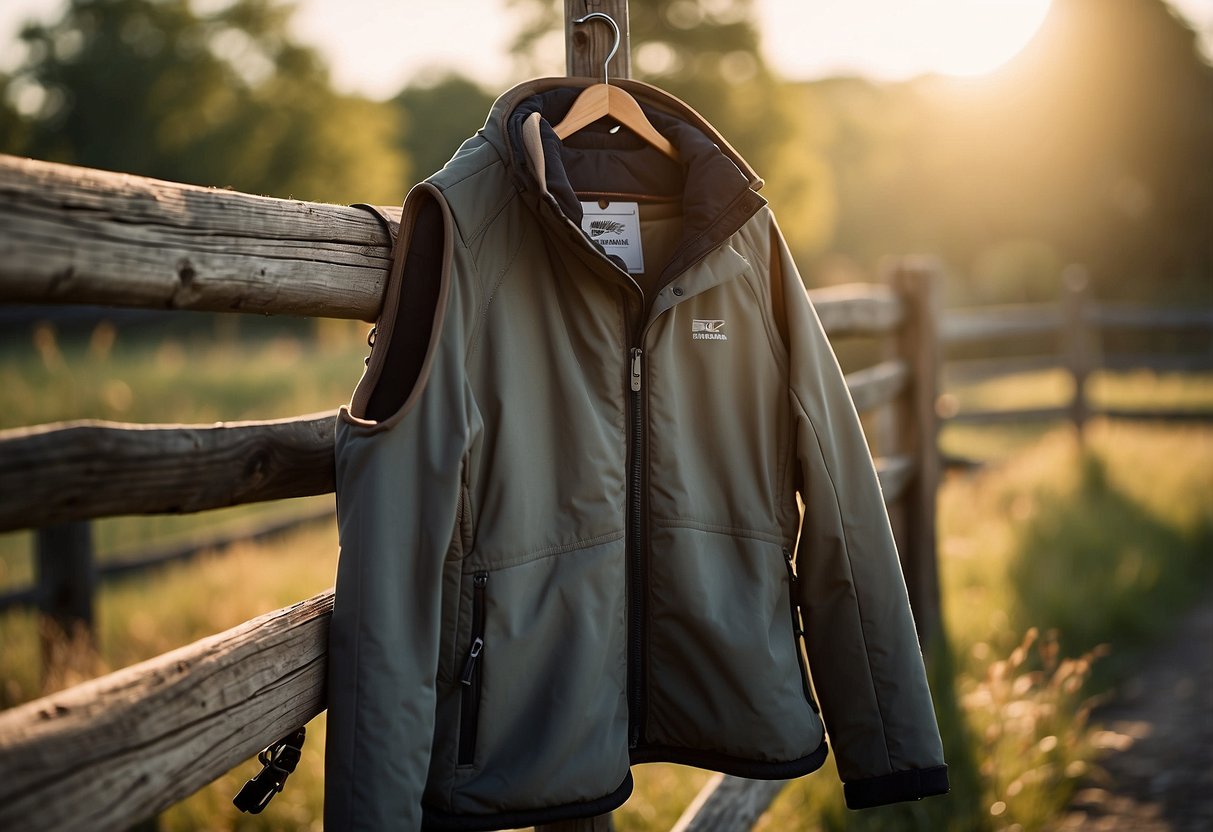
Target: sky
<point x="375" y="47"/>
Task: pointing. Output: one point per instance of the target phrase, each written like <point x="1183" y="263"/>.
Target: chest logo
<point x="707" y="330"/>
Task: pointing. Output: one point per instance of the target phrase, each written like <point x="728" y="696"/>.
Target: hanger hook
<point x="614" y="47"/>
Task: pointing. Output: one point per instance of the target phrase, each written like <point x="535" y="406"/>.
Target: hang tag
<point x="617" y="229"/>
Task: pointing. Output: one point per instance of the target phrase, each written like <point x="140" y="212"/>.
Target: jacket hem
<point x="897" y="787"/>
<point x="727" y="764"/>
<point x="433" y="819"/>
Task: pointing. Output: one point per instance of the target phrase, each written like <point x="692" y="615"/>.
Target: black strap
<point x="278" y="762"/>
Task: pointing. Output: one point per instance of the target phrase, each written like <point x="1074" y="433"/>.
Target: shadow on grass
<point x="1098" y="567"/>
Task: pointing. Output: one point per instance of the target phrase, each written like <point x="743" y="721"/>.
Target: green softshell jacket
<point x="567" y="493"/>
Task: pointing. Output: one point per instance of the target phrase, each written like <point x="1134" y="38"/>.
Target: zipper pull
<point x="479" y="581"/>
<point x="636" y="355"/>
<point x="793" y="578"/>
<point x="470" y="665"/>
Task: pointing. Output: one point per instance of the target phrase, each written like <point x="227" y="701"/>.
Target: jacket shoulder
<point x="755" y="239"/>
<point x="475" y="184"/>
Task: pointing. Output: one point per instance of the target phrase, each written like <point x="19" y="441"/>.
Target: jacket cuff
<point x="914" y="784"/>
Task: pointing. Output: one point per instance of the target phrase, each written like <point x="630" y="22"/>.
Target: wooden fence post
<point x="586" y="47"/>
<point x="915" y="279"/>
<point x="1077" y="341"/>
<point x="66" y="578"/>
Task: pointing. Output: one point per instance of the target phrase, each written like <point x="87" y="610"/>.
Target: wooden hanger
<point x="604" y="101"/>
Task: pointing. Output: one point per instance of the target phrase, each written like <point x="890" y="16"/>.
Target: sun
<point x="895" y="39"/>
<point x="975" y="37"/>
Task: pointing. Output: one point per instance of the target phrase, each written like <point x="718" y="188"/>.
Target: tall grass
<point x="194" y="377"/>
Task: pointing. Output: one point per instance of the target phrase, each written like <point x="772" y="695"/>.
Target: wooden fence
<point x="124" y="747"/>
<point x="1074" y="329"/>
<point x="108" y="753"/>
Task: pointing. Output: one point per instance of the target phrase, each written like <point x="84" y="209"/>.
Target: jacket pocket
<point x="798" y="628"/>
<point x="470" y="678"/>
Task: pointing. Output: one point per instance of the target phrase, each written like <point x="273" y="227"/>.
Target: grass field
<point x="1057" y="563"/>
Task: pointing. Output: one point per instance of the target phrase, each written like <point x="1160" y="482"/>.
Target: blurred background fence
<point x="1072" y="333"/>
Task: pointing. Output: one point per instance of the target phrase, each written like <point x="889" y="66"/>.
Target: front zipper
<point x="636" y="547"/>
<point x="469" y="705"/>
<point x="637" y="532"/>
<point x="797" y="628"/>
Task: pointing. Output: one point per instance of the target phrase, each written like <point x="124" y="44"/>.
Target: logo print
<point x="600" y="227"/>
<point x="707" y="330"/>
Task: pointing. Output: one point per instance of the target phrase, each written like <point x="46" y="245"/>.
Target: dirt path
<point x="1157" y="774"/>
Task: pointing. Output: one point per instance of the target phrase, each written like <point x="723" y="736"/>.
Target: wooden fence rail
<point x="1075" y="325"/>
<point x="111" y="752"/>
<point x="80" y="236"/>
<point x="67" y="471"/>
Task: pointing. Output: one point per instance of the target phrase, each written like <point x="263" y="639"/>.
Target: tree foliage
<point x="219" y="98"/>
<point x="1095" y="145"/>
<point x="436" y="115"/>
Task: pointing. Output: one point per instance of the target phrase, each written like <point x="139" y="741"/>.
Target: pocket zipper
<point x="797" y="628"/>
<point x="469" y="714"/>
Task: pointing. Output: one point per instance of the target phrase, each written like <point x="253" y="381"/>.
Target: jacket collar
<point x="717" y="187"/>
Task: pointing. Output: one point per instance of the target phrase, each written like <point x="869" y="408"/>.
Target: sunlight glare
<point x="974" y="37"/>
<point x="895" y="40"/>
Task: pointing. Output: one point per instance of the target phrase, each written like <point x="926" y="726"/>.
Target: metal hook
<point x="618" y="37"/>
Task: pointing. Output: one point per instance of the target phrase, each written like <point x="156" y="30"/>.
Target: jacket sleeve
<point x="860" y="639"/>
<point x="400" y="446"/>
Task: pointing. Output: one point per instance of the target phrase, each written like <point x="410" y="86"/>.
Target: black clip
<point x="278" y="761"/>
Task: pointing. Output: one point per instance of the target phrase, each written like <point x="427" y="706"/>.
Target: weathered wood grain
<point x="729" y="804"/>
<point x="107" y="753"/>
<point x="857" y="309"/>
<point x="879" y="384"/>
<point x="75" y="235"/>
<point x="76" y="470"/>
<point x="587" y="45"/>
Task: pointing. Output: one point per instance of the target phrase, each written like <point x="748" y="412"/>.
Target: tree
<point x="222" y="98"/>
<point x="436" y="115"/>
